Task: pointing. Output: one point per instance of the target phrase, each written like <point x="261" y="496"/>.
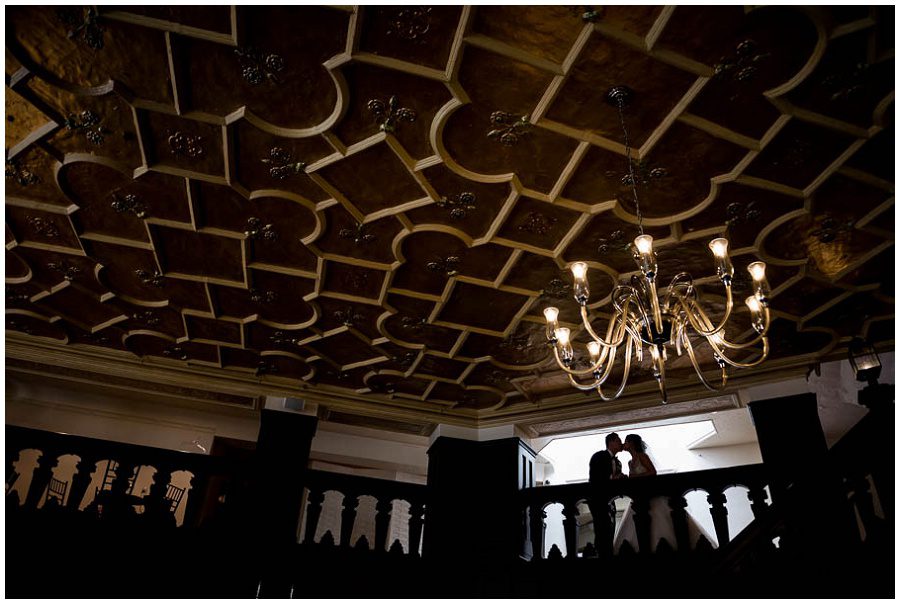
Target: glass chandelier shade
<point x="644" y="317"/>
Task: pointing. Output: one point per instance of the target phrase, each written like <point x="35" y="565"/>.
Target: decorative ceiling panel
<point x="370" y="207"/>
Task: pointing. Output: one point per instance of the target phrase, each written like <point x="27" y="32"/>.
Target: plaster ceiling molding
<point x="371" y="206"/>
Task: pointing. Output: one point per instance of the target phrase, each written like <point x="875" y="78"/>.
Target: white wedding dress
<point x="661" y="526"/>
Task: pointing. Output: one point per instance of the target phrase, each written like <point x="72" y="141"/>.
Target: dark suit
<point x="602" y="466"/>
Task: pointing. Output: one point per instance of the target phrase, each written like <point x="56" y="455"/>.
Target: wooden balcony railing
<point x="672" y="487"/>
<point x="120" y="465"/>
<point x="386" y="492"/>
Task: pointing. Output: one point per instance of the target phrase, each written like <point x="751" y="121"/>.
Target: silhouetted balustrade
<point x="672" y="487"/>
<point x="114" y="497"/>
<point x="352" y="488"/>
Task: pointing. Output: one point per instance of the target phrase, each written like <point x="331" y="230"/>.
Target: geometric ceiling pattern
<point x="379" y="201"/>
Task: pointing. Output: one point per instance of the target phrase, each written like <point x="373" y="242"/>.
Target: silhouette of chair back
<point x="109" y="477"/>
<point x="173" y="496"/>
<point x="56" y="490"/>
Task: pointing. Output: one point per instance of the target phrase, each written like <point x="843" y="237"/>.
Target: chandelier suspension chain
<point x="621" y="106"/>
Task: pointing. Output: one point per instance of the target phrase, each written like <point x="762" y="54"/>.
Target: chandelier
<point x="661" y="321"/>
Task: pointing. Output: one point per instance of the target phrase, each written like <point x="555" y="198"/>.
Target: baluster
<point x="862" y="498"/>
<point x="348" y="518"/>
<point x="719" y="516"/>
<point x="383" y="509"/>
<point x="81" y="481"/>
<point x="416" y="509"/>
<point x="194" y="494"/>
<point x="757" y="497"/>
<point x="313" y="511"/>
<point x="570" y="528"/>
<point x="641" y="507"/>
<point x="678" y="505"/>
<point x="40" y="479"/>
<point x="537" y="531"/>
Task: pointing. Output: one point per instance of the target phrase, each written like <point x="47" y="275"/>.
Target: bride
<point x="661" y="526"/>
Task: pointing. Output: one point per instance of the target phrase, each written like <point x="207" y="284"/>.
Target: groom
<point x="604" y="467"/>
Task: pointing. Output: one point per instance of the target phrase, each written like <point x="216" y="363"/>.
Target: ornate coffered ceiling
<point x="370" y="206"/>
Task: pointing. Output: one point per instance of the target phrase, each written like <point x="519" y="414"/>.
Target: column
<point x="474" y="503"/>
<point x="282" y="457"/>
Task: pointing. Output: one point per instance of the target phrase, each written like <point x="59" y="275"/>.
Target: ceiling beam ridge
<point x="511" y="52"/>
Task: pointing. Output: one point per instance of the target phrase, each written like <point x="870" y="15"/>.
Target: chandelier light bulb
<point x="757" y="270"/>
<point x="719" y="247"/>
<point x="562" y="336"/>
<point x="760" y="285"/>
<point x="644" y="244"/>
<point x="581" y="290"/>
<point x="724" y="269"/>
<point x="753" y="304"/>
<point x="551" y="313"/>
<point x="594" y="350"/>
<point x="579" y="270"/>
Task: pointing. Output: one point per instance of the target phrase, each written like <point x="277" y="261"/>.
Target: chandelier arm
<point x="598" y="381"/>
<point x="763" y="355"/>
<point x="609" y="332"/>
<point x="624" y="376"/>
<point x="640" y="306"/>
<point x="690" y="351"/>
<point x="675" y="282"/>
<point x="735" y="345"/>
<point x="582" y="387"/>
<point x="562" y="365"/>
<point x="689" y="305"/>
